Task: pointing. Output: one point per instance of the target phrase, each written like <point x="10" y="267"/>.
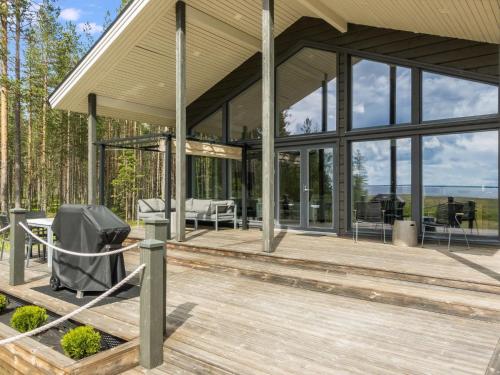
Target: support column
<point x="244" y="187"/>
<point x="180" y="120"/>
<point x="268" y="122"/>
<point x="92" y="151"/>
<point x="17" y="241"/>
<point x="102" y="174"/>
<point x="151" y="304"/>
<point x="156" y="229"/>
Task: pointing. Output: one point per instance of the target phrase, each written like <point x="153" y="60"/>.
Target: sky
<point x="91" y="12"/>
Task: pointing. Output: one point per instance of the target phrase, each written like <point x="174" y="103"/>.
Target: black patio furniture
<point x="392" y="204"/>
<point x="447" y="216"/>
<point x="368" y="212"/>
<point x="4" y="236"/>
<point x="32" y="242"/>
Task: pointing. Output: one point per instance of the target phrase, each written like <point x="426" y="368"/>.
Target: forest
<point x="43" y="152"/>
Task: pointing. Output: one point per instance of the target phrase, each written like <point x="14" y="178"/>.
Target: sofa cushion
<point x="151" y="205"/>
<point x="202" y="206"/>
<point x="189" y="204"/>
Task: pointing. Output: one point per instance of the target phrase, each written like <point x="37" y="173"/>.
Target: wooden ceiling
<point x="132" y="68"/>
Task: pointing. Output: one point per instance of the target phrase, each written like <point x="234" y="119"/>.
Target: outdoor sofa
<point x="204" y="210"/>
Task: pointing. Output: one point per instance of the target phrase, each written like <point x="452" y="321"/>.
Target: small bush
<point x="81" y="342"/>
<point x="27" y="318"/>
<point x="4" y="302"/>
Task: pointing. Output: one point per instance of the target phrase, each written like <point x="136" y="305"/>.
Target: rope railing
<point x="88" y="255"/>
<point x="73" y="313"/>
<point x="5" y="228"/>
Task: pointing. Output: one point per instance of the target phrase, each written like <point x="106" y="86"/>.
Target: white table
<point x="46" y="223"/>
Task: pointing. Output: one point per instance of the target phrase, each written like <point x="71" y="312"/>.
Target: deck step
<point x="339" y="268"/>
<point x="446" y="300"/>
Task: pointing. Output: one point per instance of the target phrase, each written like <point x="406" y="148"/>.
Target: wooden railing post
<point x="17" y="243"/>
<point x="157" y="229"/>
<point x="151" y="304"/>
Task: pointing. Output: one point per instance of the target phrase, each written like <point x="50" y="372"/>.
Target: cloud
<point x="89" y="27"/>
<point x="70" y="14"/>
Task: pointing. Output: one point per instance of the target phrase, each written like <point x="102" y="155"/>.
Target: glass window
<point x="245" y="114"/>
<point x="449" y="97"/>
<point x="207" y="177"/>
<point x="370" y="93"/>
<point x="210" y="128"/>
<point x="403" y="95"/>
<point x="381" y="177"/>
<point x="301" y="81"/>
<point x="254" y="206"/>
<point x="463" y="169"/>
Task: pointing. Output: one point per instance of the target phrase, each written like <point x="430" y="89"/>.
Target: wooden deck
<point x="480" y="264"/>
<point x="223" y="323"/>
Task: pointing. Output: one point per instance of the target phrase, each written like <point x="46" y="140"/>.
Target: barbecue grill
<point x="88" y="229"/>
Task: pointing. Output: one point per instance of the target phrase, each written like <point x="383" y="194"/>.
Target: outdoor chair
<point x="469" y="215"/>
<point x="368" y="212"/>
<point x="447" y="216"/>
<point x="4" y="236"/>
<point x="30" y="241"/>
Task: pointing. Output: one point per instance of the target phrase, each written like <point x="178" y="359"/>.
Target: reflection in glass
<point x="289" y="187"/>
<point x="210" y="128"/>
<point x="254" y="205"/>
<point x="245" y="114"/>
<point x="403" y="95"/>
<point x="381" y="174"/>
<point x="370" y="93"/>
<point x="449" y="97"/>
<point x="300" y="84"/>
<point x="463" y="169"/>
<point x="207" y="178"/>
<point x="321" y="188"/>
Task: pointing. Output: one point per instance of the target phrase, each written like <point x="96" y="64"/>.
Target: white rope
<point x="4" y="228"/>
<point x="88" y="255"/>
<point x="71" y="314"/>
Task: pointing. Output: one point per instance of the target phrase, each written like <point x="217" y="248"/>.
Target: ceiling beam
<point x="143" y="109"/>
<point x="222" y="29"/>
<point x="325" y="12"/>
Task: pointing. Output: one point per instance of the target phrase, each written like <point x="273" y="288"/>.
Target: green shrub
<point x="81" y="342"/>
<point x="27" y="318"/>
<point x="4" y="302"/>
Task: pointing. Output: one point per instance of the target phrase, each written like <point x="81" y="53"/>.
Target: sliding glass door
<point x="305" y="187"/>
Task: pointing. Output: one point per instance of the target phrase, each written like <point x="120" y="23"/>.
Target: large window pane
<point x="245" y="114"/>
<point x="370" y="93"/>
<point x="403" y="95"/>
<point x="207" y="178"/>
<point x="320" y="186"/>
<point x="289" y="187"/>
<point x="381" y="177"/>
<point x="463" y="168"/>
<point x="449" y="97"/>
<point x="254" y="207"/>
<point x="301" y="81"/>
<point x="209" y="128"/>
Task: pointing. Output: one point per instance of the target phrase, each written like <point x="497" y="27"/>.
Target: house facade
<point x="341" y="106"/>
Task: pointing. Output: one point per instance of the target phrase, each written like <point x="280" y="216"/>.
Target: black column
<point x="102" y="174"/>
<point x="244" y="187"/>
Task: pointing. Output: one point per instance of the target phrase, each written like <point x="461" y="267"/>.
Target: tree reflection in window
<point x="303" y="81"/>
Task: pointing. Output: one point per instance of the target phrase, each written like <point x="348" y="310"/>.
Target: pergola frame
<point x="152" y="143"/>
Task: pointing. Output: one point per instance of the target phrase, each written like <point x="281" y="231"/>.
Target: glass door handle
<point x="306" y="188"/>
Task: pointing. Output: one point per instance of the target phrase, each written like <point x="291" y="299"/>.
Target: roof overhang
<point x="131" y="68"/>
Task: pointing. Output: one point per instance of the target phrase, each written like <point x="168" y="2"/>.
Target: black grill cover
<point x="88" y="229"/>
